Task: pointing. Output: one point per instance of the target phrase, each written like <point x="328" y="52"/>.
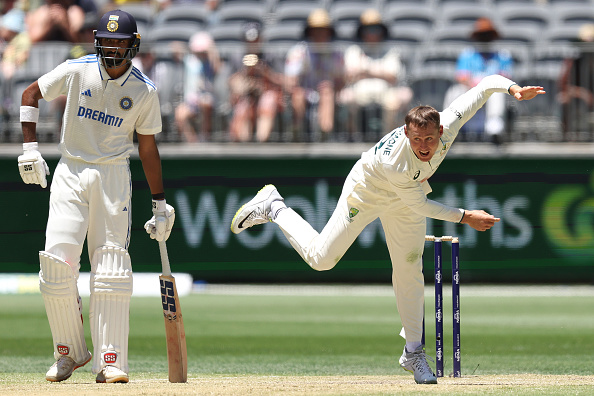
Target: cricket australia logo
<point x="352" y="213"/>
<point x="126" y="103"/>
<point x="168" y="300"/>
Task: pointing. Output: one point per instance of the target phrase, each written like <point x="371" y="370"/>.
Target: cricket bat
<point x="177" y="354"/>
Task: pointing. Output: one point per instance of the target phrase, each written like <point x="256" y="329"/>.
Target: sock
<point x="412" y="346"/>
<point x="276" y="207"/>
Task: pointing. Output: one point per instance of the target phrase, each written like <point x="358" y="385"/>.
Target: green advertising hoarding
<point x="546" y="233"/>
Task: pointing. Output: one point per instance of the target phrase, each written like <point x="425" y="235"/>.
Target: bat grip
<point x="164" y="258"/>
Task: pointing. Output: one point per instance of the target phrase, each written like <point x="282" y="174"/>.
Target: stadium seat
<point x="463" y="14"/>
<point x="407" y="35"/>
<point x="405" y="15"/>
<point x="571" y="14"/>
<point x="345" y="17"/>
<point x="183" y="13"/>
<point x="519" y="35"/>
<point x="283" y="34"/>
<point x="227" y="33"/>
<point x="141" y="12"/>
<point x="561" y="34"/>
<point x="46" y="55"/>
<point x="500" y="2"/>
<point x="456" y="34"/>
<point x="387" y="3"/>
<point x="240" y="12"/>
<point x="431" y="83"/>
<point x="521" y="14"/>
<point x="552" y="57"/>
<point x="162" y="33"/>
<point x="347" y="11"/>
<point x="436" y="56"/>
<point x="289" y="12"/>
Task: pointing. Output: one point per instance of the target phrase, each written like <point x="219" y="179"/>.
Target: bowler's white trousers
<point x="359" y="204"/>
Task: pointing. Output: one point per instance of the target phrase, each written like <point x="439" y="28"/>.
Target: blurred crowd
<point x="316" y="87"/>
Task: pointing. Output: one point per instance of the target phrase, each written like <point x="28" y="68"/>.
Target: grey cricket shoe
<point x="63" y="368"/>
<point x="256" y="211"/>
<point x="416" y="363"/>
<point x="111" y="374"/>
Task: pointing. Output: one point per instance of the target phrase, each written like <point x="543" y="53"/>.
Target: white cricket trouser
<point x="88" y="201"/>
<point x="405" y="237"/>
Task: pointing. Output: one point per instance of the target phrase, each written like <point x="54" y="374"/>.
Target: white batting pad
<point x="111" y="288"/>
<point x="58" y="288"/>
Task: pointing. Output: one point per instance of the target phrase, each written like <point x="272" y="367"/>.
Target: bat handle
<point x="164" y="258"/>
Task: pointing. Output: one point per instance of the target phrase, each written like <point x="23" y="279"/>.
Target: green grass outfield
<point x="252" y="333"/>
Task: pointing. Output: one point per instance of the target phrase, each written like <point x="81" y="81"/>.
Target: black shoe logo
<point x="240" y="225"/>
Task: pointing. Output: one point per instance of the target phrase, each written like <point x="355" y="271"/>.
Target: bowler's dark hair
<point x="422" y="116"/>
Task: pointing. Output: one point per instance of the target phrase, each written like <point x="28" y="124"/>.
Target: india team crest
<point x="126" y="103"/>
<point x="113" y="25"/>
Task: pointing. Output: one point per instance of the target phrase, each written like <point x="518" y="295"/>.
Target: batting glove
<point x="160" y="225"/>
<point x="32" y="166"/>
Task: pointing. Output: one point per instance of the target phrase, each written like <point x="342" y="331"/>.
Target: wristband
<point x="29" y="114"/>
<point x="508" y="89"/>
<point x="159" y="196"/>
<point x="159" y="205"/>
<point x="30" y="146"/>
<point x="463" y="214"/>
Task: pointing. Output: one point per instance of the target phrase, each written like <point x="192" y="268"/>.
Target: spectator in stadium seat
<point x="576" y="86"/>
<point x="56" y="20"/>
<point x="373" y="73"/>
<point x="15" y="43"/>
<point x="201" y="66"/>
<point x="474" y="63"/>
<point x="255" y="88"/>
<point x="314" y="72"/>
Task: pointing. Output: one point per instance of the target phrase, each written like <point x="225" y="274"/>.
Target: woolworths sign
<point x="546" y="231"/>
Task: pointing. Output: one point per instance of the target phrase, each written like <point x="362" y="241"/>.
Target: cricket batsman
<point x="90" y="194"/>
<point x="390" y="182"/>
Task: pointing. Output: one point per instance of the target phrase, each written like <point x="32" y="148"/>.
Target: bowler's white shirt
<point x="392" y="165"/>
<point x="101" y="113"/>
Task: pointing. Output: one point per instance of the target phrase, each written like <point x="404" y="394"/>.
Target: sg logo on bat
<point x="168" y="300"/>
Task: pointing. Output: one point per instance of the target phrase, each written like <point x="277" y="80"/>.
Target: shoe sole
<point x="237" y="230"/>
<point x="69" y="375"/>
<point x="120" y="379"/>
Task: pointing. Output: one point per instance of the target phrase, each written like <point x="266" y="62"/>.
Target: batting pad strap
<point x="29" y="114"/>
<point x="57" y="284"/>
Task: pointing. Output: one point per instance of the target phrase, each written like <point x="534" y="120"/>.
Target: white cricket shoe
<point x="111" y="374"/>
<point x="63" y="368"/>
<point x="416" y="363"/>
<point x="256" y="211"/>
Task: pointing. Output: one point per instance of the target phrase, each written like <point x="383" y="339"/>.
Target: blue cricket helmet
<point x="117" y="24"/>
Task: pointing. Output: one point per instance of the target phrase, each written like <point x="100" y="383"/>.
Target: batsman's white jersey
<point x="101" y="113"/>
<point x="390" y="183"/>
<point x="91" y="186"/>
